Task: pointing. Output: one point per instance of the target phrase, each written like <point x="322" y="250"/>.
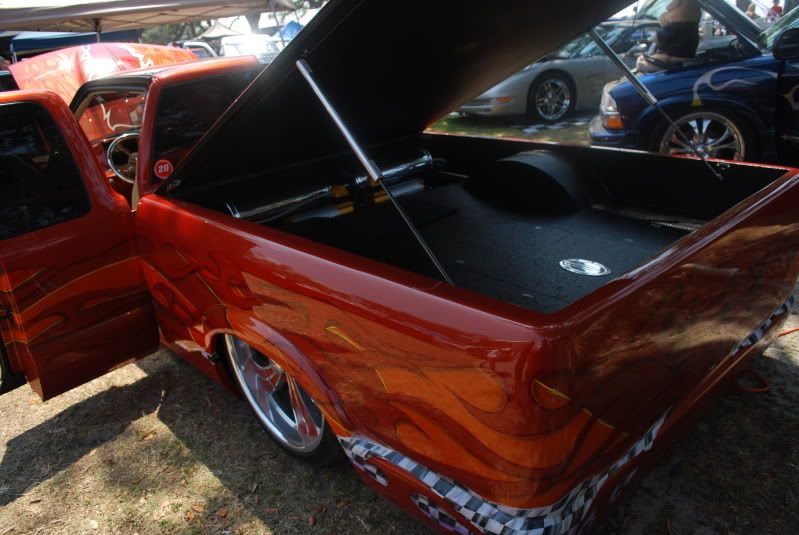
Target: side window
<point x="40" y="184"/>
<point x="186" y="111"/>
<point x="7" y="82"/>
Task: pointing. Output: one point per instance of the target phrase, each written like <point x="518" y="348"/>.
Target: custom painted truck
<point x="497" y="333"/>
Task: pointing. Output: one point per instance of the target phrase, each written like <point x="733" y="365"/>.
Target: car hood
<point x="389" y="68"/>
<point x="64" y="71"/>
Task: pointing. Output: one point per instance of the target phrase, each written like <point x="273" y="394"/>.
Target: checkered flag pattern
<point x="432" y="511"/>
<point x="760" y="332"/>
<point x="491" y="518"/>
<point x="360" y="462"/>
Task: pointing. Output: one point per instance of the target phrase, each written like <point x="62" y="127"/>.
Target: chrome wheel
<point x="282" y="406"/>
<point x="552" y="99"/>
<point x="714" y="136"/>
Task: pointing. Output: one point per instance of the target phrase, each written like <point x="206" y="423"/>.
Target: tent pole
<point x="98" y="27"/>
<point x="13" y="54"/>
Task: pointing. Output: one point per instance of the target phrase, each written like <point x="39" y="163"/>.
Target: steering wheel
<point x="126" y="148"/>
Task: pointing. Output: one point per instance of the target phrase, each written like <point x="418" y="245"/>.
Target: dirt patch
<point x="156" y="448"/>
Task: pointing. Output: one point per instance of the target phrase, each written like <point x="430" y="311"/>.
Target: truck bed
<point x="499" y="218"/>
<point x="510" y="255"/>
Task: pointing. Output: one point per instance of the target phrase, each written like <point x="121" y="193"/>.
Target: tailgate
<point x="653" y="341"/>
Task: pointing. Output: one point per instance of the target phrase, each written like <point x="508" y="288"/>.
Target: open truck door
<point x="73" y="303"/>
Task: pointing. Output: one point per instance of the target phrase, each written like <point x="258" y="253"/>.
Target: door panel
<point x="70" y="278"/>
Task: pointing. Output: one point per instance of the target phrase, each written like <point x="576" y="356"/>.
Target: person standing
<point x="775" y="12"/>
<point x="677" y="38"/>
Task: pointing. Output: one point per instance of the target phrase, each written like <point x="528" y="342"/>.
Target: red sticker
<point x="163" y="168"/>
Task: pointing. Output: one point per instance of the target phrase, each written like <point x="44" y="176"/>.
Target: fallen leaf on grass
<point x="271" y="510"/>
<point x="222" y="513"/>
<point x="311" y="520"/>
<point x="198" y="508"/>
<point x="343" y="503"/>
<point x="188" y="516"/>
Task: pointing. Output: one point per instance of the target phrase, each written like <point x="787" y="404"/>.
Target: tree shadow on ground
<point x="737" y="470"/>
<point x="48" y="448"/>
<point x="213" y="428"/>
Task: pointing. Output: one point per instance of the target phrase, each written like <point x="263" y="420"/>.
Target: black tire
<point x="559" y="79"/>
<point x="326" y="452"/>
<point x="751" y="150"/>
<point x="8" y="380"/>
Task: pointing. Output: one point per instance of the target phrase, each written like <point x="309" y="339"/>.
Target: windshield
<point x="584" y="46"/>
<point x="653" y="9"/>
<point x="571" y="48"/>
<point x="770" y="34"/>
<point x="610" y="34"/>
<point x="110" y="113"/>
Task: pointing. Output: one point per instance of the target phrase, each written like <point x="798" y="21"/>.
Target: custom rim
<point x="281" y="404"/>
<point x="714" y="136"/>
<point x="552" y="99"/>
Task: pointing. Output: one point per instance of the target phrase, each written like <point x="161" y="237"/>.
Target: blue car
<point x="738" y="100"/>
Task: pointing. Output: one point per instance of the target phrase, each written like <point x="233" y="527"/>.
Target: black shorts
<point x="679" y="39"/>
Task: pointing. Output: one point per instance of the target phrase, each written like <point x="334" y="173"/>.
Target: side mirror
<point x="637" y="50"/>
<point x="787" y="45"/>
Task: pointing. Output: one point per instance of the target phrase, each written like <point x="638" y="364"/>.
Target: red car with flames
<point x="497" y="333"/>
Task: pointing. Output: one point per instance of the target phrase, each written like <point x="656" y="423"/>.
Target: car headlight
<point x="611" y="118"/>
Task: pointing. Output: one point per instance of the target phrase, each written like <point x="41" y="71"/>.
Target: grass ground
<point x="156" y="448"/>
<point x="458" y="124"/>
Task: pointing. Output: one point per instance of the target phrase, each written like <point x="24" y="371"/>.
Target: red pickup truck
<point x="497" y="333"/>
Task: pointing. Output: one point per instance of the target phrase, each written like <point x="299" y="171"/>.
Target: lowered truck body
<point x="498" y="352"/>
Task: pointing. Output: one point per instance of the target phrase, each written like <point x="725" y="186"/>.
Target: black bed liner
<point x="509" y="255"/>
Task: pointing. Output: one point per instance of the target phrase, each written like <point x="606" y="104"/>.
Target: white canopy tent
<point x="107" y="15"/>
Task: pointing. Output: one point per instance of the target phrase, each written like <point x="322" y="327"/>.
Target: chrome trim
<point x="399" y="171"/>
<point x="580" y="266"/>
<point x="486" y="516"/>
<point x="261" y="210"/>
<point x="368" y="164"/>
<point x="231" y="208"/>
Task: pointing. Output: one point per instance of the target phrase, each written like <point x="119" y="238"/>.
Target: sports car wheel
<point x="282" y="406"/>
<point x="715" y="135"/>
<point x="551" y="98"/>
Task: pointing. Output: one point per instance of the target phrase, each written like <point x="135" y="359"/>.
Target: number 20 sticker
<point x="163" y="169"/>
